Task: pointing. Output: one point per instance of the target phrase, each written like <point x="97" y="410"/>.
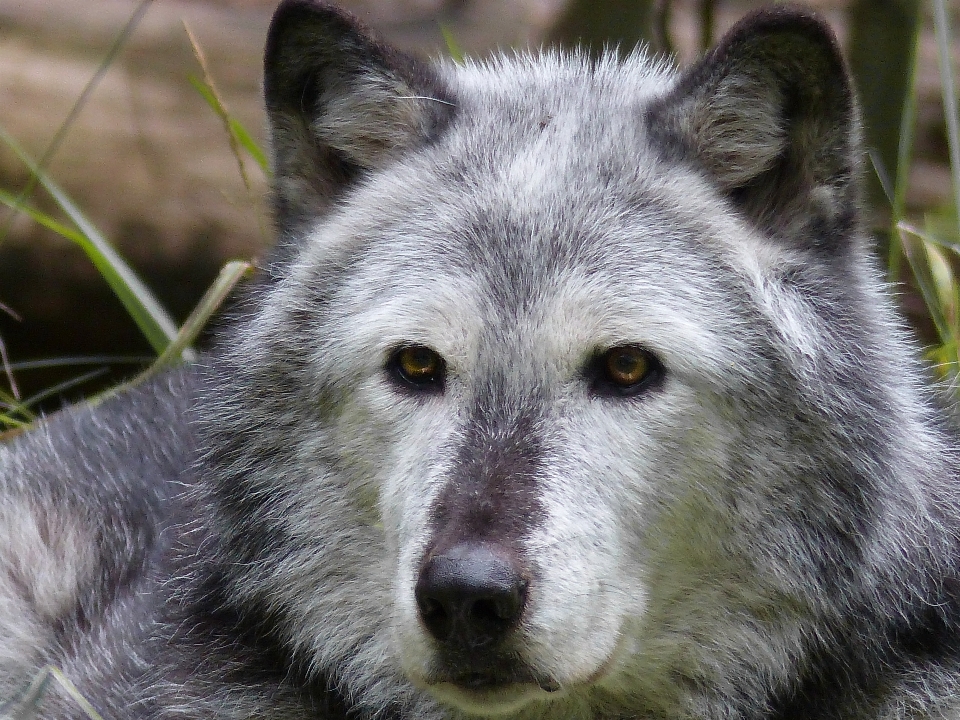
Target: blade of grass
<point x="12" y="406"/>
<point x="942" y="26"/>
<point x="7" y="366"/>
<point x="236" y="134"/>
<point x="925" y="281"/>
<point x="14" y="418"/>
<point x="876" y="163"/>
<point x="7" y="400"/>
<point x="211" y="301"/>
<point x="9" y="311"/>
<point x="81" y="101"/>
<point x="153" y="320"/>
<point x="26" y="701"/>
<point x="30" y="697"/>
<point x="74" y="693"/>
<point x="250" y="145"/>
<point x="453" y="47"/>
<point x="58" y="388"/>
<point x="928" y="236"/>
<point x="13" y="426"/>
<point x="74" y="361"/>
<point x="229" y="275"/>
<point x="41" y="218"/>
<point x="944" y="285"/>
<point x="8" y="370"/>
<point x="663" y="44"/>
<point x="210" y="97"/>
<point x="239" y="137"/>
<point x="908" y="125"/>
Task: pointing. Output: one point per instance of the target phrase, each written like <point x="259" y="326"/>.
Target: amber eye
<point x="626" y="365"/>
<point x="625" y="370"/>
<point x="419" y="366"/>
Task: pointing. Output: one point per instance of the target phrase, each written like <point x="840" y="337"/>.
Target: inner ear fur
<point x="771" y="118"/>
<point x="339" y="102"/>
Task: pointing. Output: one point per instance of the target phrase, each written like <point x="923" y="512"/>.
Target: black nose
<point x="471" y="595"/>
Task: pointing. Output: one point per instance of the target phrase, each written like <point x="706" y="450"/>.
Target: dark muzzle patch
<point x="473" y="583"/>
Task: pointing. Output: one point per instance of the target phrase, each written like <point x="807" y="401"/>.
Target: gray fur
<point x="765" y="527"/>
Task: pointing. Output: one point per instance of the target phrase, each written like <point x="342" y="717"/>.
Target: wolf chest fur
<point x="570" y="391"/>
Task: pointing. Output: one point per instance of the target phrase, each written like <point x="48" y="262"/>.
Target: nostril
<point x="470" y="595"/>
<point x="485" y="612"/>
<point x="503" y="607"/>
<point x="430" y="607"/>
<point x="434" y="615"/>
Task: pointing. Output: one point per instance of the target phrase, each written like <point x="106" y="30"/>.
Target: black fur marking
<point x="860" y="666"/>
<point x="491" y="500"/>
<point x="492" y="494"/>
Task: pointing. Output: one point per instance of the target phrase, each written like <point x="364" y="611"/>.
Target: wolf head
<point x="574" y="393"/>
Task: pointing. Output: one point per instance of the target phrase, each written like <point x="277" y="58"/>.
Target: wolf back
<point x="571" y="391"/>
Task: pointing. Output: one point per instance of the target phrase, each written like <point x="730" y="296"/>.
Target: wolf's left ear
<point x="340" y="103"/>
<point x="770" y="116"/>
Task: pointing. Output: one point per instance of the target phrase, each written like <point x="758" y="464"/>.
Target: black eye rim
<point x="433" y="383"/>
<point x="602" y="385"/>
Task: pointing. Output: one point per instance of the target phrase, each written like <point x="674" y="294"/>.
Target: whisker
<point x="425" y="97"/>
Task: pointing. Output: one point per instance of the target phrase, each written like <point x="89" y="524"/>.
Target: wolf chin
<point x="570" y="391"/>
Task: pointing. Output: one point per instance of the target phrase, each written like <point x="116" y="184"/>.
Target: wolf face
<point x="570" y="392"/>
<point x="575" y="394"/>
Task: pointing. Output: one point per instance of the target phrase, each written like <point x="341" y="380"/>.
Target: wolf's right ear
<point x="769" y="116"/>
<point x="340" y="103"/>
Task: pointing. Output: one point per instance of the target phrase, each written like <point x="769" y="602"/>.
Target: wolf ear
<point x="770" y="116"/>
<point x="339" y="103"/>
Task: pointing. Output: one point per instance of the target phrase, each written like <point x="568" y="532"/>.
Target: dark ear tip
<point x="305" y="13"/>
<point x="292" y="10"/>
<point x="782" y="20"/>
<point x="302" y="31"/>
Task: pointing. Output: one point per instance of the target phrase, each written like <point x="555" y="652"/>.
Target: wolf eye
<point x="418" y="367"/>
<point x="625" y="370"/>
<point x="626" y="366"/>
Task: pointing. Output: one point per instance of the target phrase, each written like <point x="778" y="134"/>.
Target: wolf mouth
<point x="484" y="682"/>
<point x="491" y="692"/>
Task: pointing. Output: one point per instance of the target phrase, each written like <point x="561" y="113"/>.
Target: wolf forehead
<point x="531" y="150"/>
<point x="771" y="106"/>
<point x="541" y="177"/>
<point x="525" y="119"/>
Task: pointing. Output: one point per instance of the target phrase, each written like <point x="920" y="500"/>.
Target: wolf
<point x="570" y="391"/>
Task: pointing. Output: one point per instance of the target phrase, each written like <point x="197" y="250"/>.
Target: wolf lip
<point x="479" y="692"/>
<point x="486" y="683"/>
<point x="478" y="681"/>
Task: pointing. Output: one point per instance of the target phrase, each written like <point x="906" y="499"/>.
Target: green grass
<point x="931" y="244"/>
<point x="171" y="343"/>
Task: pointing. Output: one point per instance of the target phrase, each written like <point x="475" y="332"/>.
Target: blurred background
<point x="150" y="163"/>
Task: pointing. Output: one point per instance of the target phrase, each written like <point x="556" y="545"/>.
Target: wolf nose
<point x="471" y="595"/>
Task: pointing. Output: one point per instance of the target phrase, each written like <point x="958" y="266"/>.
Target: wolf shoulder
<point x="89" y="503"/>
